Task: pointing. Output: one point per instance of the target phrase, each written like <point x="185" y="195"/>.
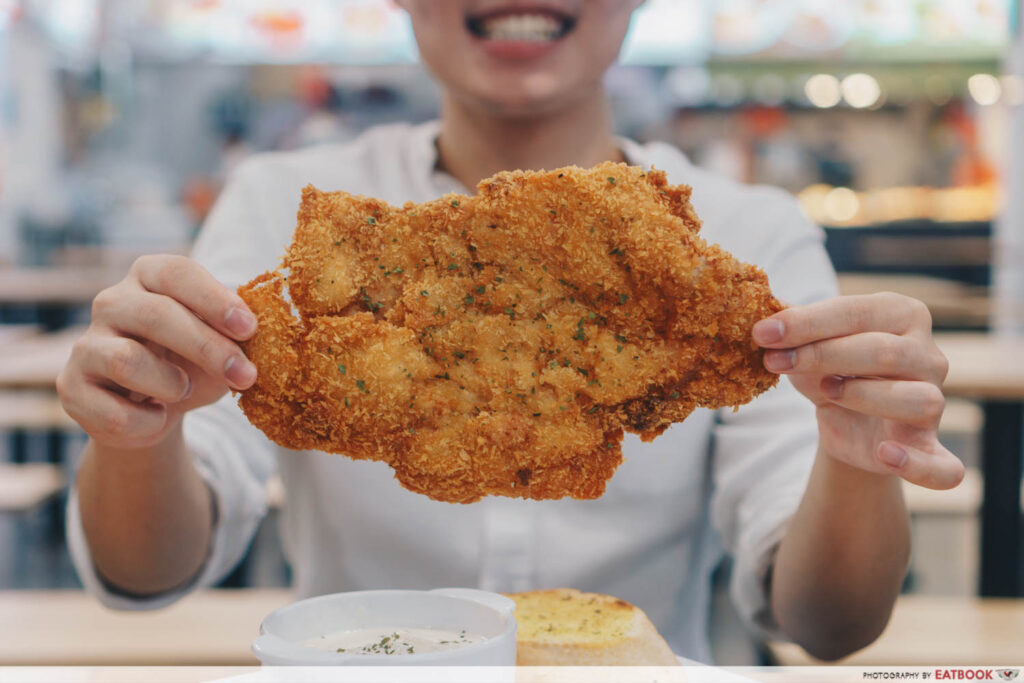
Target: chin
<point x="526" y="97"/>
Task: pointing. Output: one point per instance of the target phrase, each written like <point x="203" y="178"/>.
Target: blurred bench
<point x="26" y="486"/>
<point x="17" y="332"/>
<point x="935" y="631"/>
<point x="37" y="360"/>
<point x="32" y="410"/>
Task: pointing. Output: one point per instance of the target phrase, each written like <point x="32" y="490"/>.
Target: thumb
<point x="936" y="468"/>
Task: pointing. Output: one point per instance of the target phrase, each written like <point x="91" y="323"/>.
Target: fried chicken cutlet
<point x="501" y="344"/>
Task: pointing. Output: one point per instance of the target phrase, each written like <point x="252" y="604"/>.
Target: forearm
<point x="843" y="559"/>
<point x="147" y="515"/>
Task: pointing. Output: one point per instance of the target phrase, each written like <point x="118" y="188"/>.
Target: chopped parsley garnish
<point x="580" y="335"/>
<point x="341" y="368"/>
<point x="362" y="386"/>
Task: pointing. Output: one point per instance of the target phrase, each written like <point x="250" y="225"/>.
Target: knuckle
<point x="124" y="362"/>
<point x="890" y="354"/>
<point x="143" y="264"/>
<point x="808" y="358"/>
<point x="862" y="312"/>
<point x="103" y="302"/>
<point x="815" y="357"/>
<point x="888" y="299"/>
<point x="208" y="350"/>
<point x="148" y="314"/>
<point x="920" y="311"/>
<point x="941" y="364"/>
<point x="958" y="473"/>
<point x="79" y="349"/>
<point x="169" y="271"/>
<point x="63" y="386"/>
<point x="933" y="403"/>
<point x="115" y="422"/>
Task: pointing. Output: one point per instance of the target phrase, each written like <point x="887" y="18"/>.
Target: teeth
<point x="536" y="28"/>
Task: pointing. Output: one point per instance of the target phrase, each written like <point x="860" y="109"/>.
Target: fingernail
<point x="240" y="372"/>
<point x="778" y="361"/>
<point x="832" y="387"/>
<point x="892" y="455"/>
<point x="769" y="331"/>
<point x="188" y="388"/>
<point x="240" y="322"/>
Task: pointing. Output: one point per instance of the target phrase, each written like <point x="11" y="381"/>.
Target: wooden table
<point x="57" y="628"/>
<point x="937" y="631"/>
<point x="990" y="369"/>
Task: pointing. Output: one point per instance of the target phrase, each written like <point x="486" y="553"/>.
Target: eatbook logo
<point x="1008" y="674"/>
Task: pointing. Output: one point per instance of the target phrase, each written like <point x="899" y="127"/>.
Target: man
<point x="802" y="491"/>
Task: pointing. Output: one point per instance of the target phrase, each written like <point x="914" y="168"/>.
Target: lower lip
<point x="519" y="50"/>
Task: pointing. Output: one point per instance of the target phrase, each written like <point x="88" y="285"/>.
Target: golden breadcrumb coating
<point x="500" y="344"/>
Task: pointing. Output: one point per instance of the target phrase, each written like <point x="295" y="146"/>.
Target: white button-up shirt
<point x="719" y="482"/>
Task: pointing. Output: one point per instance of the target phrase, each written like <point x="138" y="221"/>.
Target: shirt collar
<point x="427" y="158"/>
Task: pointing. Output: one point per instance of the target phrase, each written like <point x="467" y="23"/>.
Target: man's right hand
<point x="160" y="343"/>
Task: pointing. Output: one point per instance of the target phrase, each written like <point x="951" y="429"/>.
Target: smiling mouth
<point x="521" y="27"/>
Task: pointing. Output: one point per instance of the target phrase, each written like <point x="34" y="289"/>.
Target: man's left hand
<point x="871" y="367"/>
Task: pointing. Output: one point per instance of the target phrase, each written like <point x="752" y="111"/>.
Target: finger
<point x="187" y="282"/>
<point x="939" y="469"/>
<point x="840" y="317"/>
<point x="166" y="322"/>
<point x="918" y="404"/>
<point x="106" y="416"/>
<point x="132" y="366"/>
<point x="872" y="354"/>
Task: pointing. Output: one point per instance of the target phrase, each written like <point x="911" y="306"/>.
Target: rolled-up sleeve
<point x="235" y="460"/>
<point x="763" y="452"/>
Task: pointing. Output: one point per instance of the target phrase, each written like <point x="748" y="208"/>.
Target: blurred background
<point x="897" y="123"/>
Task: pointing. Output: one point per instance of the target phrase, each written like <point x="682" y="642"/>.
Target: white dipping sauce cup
<point x="483" y="613"/>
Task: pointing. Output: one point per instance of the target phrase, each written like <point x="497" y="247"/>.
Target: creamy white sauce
<point x="392" y="641"/>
